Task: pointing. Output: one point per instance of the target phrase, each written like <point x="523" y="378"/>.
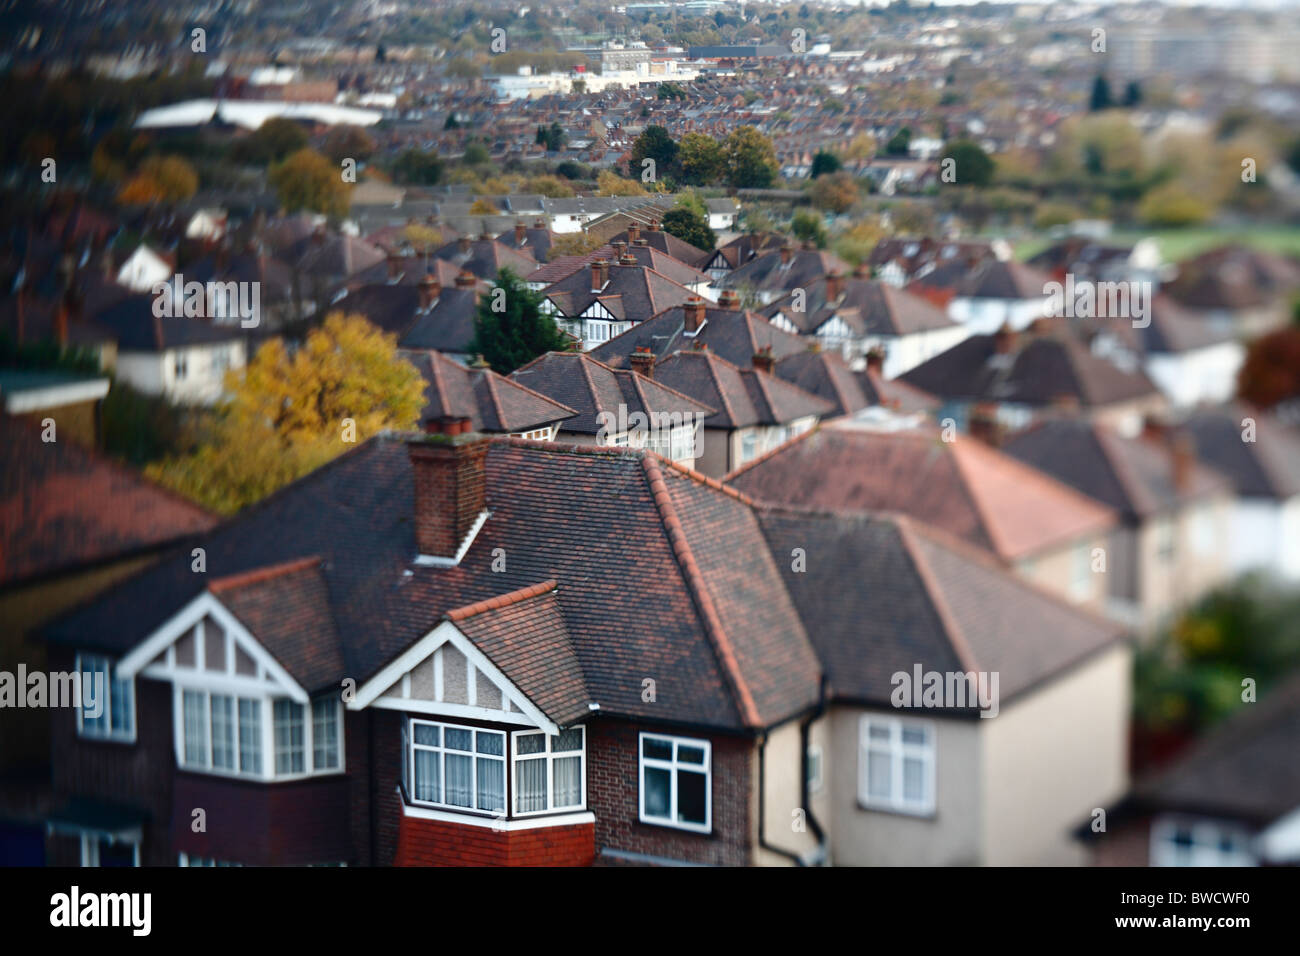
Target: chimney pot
<point x="730" y="299"/>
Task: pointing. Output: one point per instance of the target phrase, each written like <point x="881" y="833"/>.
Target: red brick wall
<point x="437" y="843"/>
<point x="613" y="794"/>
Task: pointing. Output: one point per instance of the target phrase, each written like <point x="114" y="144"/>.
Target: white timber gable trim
<point x="155" y="656"/>
<point x="440" y="675"/>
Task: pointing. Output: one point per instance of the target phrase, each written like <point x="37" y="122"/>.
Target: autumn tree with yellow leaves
<point x="287" y="414"/>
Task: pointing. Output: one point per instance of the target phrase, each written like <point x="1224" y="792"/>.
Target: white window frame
<point x="266" y="728"/>
<point x="816" y="769"/>
<point x="897" y="751"/>
<point x="411" y="746"/>
<point x="547" y="755"/>
<point x="1206" y="837"/>
<point x="672" y="767"/>
<point x="90" y="661"/>
<point x="184" y="859"/>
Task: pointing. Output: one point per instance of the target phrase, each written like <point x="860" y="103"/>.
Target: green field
<point x="1179" y="244"/>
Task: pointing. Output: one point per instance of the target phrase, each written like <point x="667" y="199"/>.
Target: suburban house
<point x="828" y="376"/>
<point x="491" y="403"/>
<point x="662" y="242"/>
<point x="1044" y="530"/>
<point x="913" y="786"/>
<point x="1237" y="290"/>
<point x="734" y="254"/>
<point x="607" y="299"/>
<point x="534" y="241"/>
<point x="486" y="257"/>
<point x="143" y="269"/>
<point x="778" y="272"/>
<point x="72" y="523"/>
<point x="618" y="408"/>
<point x="181" y="358"/>
<point x="725" y="329"/>
<point x="1190" y="361"/>
<point x="1175" y="513"/>
<point x="1007" y="380"/>
<point x="72" y="400"/>
<point x="755" y="410"/>
<point x="855" y="315"/>
<point x="1232" y="800"/>
<point x="427" y="316"/>
<point x="999" y="292"/>
<point x="722" y="213"/>
<point x="445" y="649"/>
<point x="899" y="260"/>
<point x="1261" y="457"/>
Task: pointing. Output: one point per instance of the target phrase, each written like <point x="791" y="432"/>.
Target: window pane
<point x="657" y="749"/>
<point x="223" y="732"/>
<point x="687" y="754"/>
<point x="878" y="784"/>
<point x="490" y="743"/>
<point x="878" y="731"/>
<point x="428" y="785"/>
<point x="120" y="705"/>
<point x="491" y="784"/>
<point x="289" y="756"/>
<point x="325" y="733"/>
<point x="250" y="735"/>
<point x="691" y="788"/>
<point x="530" y="785"/>
<point x="460" y="779"/>
<point x="94" y="694"/>
<point x="196" y="751"/>
<point x="530" y="743"/>
<point x="567" y="740"/>
<point x="424" y="734"/>
<point x="568" y="782"/>
<point x="458" y="739"/>
<point x="913" y="780"/>
<point x="914" y="735"/>
<point x="658" y="792"/>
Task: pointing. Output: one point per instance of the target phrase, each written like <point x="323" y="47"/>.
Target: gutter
<point x="818" y="856"/>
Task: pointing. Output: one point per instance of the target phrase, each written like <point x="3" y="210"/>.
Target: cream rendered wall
<point x="951" y="837"/>
<point x="782" y="794"/>
<point x="1054" y="571"/>
<point x="1049" y="758"/>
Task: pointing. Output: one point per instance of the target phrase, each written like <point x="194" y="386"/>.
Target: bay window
<point x="462" y="768"/>
<point x="229" y="734"/>
<point x="676" y="782"/>
<point x="549" y="771"/>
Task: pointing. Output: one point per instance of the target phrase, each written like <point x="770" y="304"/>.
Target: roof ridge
<point x="695" y="583"/>
<point x="437" y="381"/>
<point x="263" y="573"/>
<point x="517" y="596"/>
<point x="489" y="379"/>
<point x="708" y="358"/>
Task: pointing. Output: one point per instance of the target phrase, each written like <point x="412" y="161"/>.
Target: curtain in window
<point x="325" y="733"/>
<point x="428" y="785"/>
<point x="460" y="779"/>
<point x="119" y="700"/>
<point x="223" y="732"/>
<point x="568" y="781"/>
<point x="195" y="748"/>
<point x="90" y="687"/>
<point x="530" y="785"/>
<point x="250" y="735"/>
<point x="491" y="784"/>
<point x="289" y="756"/>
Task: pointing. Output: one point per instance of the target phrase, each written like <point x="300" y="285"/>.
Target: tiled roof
<point x="600" y="522"/>
<point x="867" y="306"/>
<point x="1268" y="467"/>
<point x="733" y="334"/>
<point x="486" y="257"/>
<point x="1135" y="476"/>
<point x="768" y="273"/>
<point x="828" y="376"/>
<point x="632" y="292"/>
<point x="1041" y="369"/>
<point x="62" y="507"/>
<point x="963" y="486"/>
<point x="577" y="380"/>
<point x="741" y="396"/>
<point x="491" y="403"/>
<point x="905" y="594"/>
<point x="133" y="325"/>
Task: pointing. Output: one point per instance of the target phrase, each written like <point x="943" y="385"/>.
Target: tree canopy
<point x="510" y="328"/>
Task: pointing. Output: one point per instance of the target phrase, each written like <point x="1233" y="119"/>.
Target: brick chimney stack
<point x="633" y="232"/>
<point x="730" y="299"/>
<point x="834" y="286"/>
<point x="862" y="271"/>
<point x="599" y="275"/>
<point x="466" y="279"/>
<point x="653" y="226"/>
<point x="763" y="360"/>
<point x="643" y="362"/>
<point x="430" y="289"/>
<point x="450" y="485"/>
<point x="693" y="312"/>
<point x="521" y="233"/>
<point x="463" y="244"/>
<point x="876" y="361"/>
<point x="786" y="252"/>
<point x="394" y="265"/>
